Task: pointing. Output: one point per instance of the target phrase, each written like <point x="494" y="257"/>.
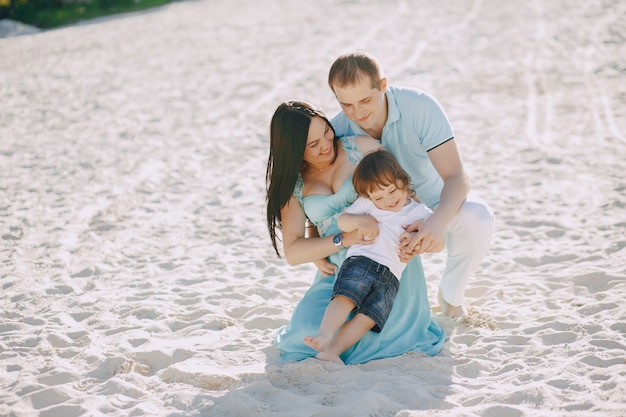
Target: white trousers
<point x="468" y="237"/>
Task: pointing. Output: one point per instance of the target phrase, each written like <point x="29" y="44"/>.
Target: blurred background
<point x="46" y="14"/>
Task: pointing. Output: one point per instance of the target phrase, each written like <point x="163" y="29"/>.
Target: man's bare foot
<point x="329" y="357"/>
<point x="448" y="310"/>
<point x="319" y="342"/>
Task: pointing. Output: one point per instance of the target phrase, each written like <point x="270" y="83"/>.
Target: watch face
<point x="337" y="240"/>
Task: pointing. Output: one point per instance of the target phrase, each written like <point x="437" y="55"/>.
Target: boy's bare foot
<point x="448" y="310"/>
<point x="318" y="342"/>
<point x="329" y="357"/>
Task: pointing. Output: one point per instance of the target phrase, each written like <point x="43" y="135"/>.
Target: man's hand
<point x="420" y="237"/>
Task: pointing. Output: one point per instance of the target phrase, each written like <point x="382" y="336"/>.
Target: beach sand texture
<point x="136" y="274"/>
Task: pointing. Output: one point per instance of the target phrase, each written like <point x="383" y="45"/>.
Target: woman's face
<point x="390" y="197"/>
<point x="319" y="148"/>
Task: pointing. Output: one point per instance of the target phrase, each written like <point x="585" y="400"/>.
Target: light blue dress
<point x="409" y="327"/>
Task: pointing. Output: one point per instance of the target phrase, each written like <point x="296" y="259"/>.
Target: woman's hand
<point x="325" y="267"/>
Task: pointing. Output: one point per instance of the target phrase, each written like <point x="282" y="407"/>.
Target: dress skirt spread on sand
<point x="409" y="327"/>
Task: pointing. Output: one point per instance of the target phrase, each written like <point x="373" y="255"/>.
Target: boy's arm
<point x="366" y="225"/>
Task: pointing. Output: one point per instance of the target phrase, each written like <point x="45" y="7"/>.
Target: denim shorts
<point x="371" y="286"/>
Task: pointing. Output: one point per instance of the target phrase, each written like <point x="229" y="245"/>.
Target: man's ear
<point x="383" y="84"/>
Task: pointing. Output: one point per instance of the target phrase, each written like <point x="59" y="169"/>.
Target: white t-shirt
<point x="385" y="249"/>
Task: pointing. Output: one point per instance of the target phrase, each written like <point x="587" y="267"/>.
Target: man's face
<point x="364" y="104"/>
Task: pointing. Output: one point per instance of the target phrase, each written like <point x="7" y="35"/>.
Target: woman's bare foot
<point x="319" y="342"/>
<point x="329" y="357"/>
<point x="448" y="310"/>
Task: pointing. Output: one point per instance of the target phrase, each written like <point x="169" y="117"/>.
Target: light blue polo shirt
<point x="416" y="123"/>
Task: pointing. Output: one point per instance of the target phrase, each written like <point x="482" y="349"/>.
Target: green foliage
<point x="52" y="13"/>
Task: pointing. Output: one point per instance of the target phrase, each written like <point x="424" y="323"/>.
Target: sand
<point x="136" y="274"/>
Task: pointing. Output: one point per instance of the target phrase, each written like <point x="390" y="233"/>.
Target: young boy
<point x="368" y="279"/>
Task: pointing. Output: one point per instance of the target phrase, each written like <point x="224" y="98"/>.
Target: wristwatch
<point x="337" y="240"/>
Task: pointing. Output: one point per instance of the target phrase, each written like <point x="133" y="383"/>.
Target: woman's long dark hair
<point x="289" y="129"/>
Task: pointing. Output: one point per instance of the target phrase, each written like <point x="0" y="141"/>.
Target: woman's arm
<point x="296" y="247"/>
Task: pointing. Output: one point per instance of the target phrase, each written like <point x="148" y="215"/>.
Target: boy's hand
<point x="368" y="228"/>
<point x="356" y="237"/>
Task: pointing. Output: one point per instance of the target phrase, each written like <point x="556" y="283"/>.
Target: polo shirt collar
<point x="393" y="112"/>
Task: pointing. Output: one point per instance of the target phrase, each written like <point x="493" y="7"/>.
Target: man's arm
<point x="430" y="233"/>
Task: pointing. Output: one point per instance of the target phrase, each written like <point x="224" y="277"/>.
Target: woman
<point x="309" y="175"/>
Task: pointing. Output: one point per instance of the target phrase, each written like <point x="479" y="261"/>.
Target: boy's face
<point x="364" y="104"/>
<point x="390" y="197"/>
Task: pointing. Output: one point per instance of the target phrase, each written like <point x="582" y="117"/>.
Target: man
<point x="412" y="125"/>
